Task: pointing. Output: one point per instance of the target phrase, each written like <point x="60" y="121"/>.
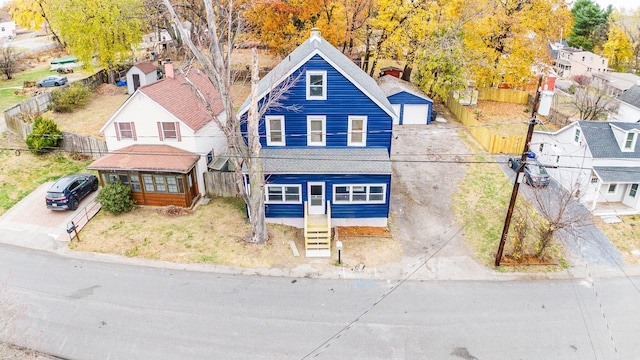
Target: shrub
<point x="67" y="99"/>
<point x="116" y="198"/>
<point x="45" y="136"/>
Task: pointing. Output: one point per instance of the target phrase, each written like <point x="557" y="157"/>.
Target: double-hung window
<point x="275" y="130"/>
<point x="357" y="131"/>
<point x="125" y="131"/>
<point x="629" y="141"/>
<point x="576" y="137"/>
<point x="316" y="85"/>
<point x="360" y="194"/>
<point x="169" y="131"/>
<point x="634" y="190"/>
<point x="283" y="194"/>
<point x="316" y="131"/>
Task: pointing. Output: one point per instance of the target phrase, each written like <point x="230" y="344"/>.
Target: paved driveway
<point x="426" y="173"/>
<point x="29" y="223"/>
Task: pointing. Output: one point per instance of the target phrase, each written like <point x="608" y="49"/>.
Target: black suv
<point x="68" y="191"/>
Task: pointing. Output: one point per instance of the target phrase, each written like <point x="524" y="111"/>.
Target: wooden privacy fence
<point x="19" y="117"/>
<point x="504" y="95"/>
<point x="220" y="184"/>
<point x="492" y="142"/>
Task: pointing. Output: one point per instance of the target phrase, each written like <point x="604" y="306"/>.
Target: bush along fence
<point x="19" y="117"/>
<point x="493" y="143"/>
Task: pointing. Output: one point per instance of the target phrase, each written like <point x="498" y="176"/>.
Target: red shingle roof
<point x="147" y="158"/>
<point x="146" y="67"/>
<point x="177" y="97"/>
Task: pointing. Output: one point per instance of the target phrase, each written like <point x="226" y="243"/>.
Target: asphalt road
<point x="81" y="309"/>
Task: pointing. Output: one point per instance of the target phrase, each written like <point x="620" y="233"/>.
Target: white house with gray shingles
<point x="629" y="110"/>
<point x="598" y="160"/>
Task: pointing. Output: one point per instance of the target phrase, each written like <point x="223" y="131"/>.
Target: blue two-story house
<point x="326" y="143"/>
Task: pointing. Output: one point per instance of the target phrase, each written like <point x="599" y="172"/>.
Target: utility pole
<point x="516" y="184"/>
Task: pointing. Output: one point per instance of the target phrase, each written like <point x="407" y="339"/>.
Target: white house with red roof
<point x="162" y="138"/>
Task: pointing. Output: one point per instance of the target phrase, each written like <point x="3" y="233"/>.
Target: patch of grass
<point x="20" y="175"/>
<point x="481" y="203"/>
<point x="625" y="236"/>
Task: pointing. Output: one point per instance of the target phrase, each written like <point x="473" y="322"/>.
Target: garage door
<point x="415" y="114"/>
<point x="396" y="108"/>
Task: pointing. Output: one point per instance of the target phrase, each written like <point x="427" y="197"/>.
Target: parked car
<point x="534" y="173"/>
<point x="53" y="80"/>
<point x="68" y="191"/>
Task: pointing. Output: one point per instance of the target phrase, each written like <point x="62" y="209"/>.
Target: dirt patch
<point x="355" y="231"/>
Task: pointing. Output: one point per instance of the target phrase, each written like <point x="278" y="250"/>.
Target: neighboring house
<point x="140" y="74"/>
<point x="157" y="40"/>
<point x="161" y="140"/>
<point x="410" y="104"/>
<point x="614" y="83"/>
<point x="599" y="160"/>
<point x="629" y="105"/>
<point x="571" y="62"/>
<point x="326" y="145"/>
<point x="7" y="30"/>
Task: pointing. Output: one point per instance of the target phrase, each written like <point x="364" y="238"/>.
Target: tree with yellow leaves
<point x="618" y="49"/>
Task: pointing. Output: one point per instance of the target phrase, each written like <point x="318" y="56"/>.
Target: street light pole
<point x="516" y="184"/>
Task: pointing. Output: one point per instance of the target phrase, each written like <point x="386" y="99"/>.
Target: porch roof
<point x="162" y="158"/>
<point x="325" y="161"/>
<point x="617" y="174"/>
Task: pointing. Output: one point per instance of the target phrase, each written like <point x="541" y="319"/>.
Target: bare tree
<point x="8" y="61"/>
<point x="223" y="25"/>
<point x="557" y="211"/>
<point x="590" y="103"/>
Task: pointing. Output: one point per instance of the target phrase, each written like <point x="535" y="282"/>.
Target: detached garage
<point x="411" y="105"/>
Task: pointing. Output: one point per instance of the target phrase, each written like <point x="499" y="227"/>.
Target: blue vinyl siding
<point x="337" y="210"/>
<point x="404" y="97"/>
<point x="343" y="99"/>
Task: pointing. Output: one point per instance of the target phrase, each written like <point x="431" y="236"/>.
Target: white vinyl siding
<point x="283" y="194"/>
<point x="360" y="194"/>
<point x="275" y="130"/>
<point x="316" y="131"/>
<point x="357" y="131"/>
<point x="316" y="85"/>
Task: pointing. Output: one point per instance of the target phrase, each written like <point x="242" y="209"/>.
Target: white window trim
<point x="615" y="188"/>
<point x="576" y="135"/>
<point x="364" y="131"/>
<point x="368" y="186"/>
<point x="324" y="84"/>
<point x="284" y="201"/>
<point x="633" y="142"/>
<point x="268" y="130"/>
<point x="324" y="130"/>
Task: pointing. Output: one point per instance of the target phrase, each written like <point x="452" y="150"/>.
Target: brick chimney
<point x="168" y="68"/>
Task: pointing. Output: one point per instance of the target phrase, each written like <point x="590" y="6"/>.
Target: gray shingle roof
<point x="391" y="85"/>
<point x="326" y="161"/>
<point x="631" y="96"/>
<point x="602" y="142"/>
<point x="315" y="43"/>
<point x="612" y="174"/>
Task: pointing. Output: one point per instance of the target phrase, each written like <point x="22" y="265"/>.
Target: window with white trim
<point x="576" y="138"/>
<point x="316" y="85"/>
<point x="169" y="131"/>
<point x="125" y="131"/>
<point x="629" y="141"/>
<point x="275" y="130"/>
<point x="316" y="131"/>
<point x="283" y="194"/>
<point x="360" y="194"/>
<point x="541" y="147"/>
<point x="357" y="131"/>
<point x="612" y="188"/>
<point x="634" y="190"/>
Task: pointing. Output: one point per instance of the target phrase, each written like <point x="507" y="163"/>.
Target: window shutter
<point x="133" y="131"/>
<point x="160" y="135"/>
<point x="117" y="130"/>
<point x="178" y="131"/>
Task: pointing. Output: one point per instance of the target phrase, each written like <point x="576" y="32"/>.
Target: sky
<point x="627" y="4"/>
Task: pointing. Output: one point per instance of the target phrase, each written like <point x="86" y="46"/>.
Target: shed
<point x="391" y="70"/>
<point x="64" y="62"/>
<point x="142" y="73"/>
<point x="410" y="104"/>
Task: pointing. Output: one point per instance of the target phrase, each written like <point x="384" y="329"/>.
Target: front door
<point x="315" y="198"/>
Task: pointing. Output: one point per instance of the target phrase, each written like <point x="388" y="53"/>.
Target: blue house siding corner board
<point x="337" y="210"/>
